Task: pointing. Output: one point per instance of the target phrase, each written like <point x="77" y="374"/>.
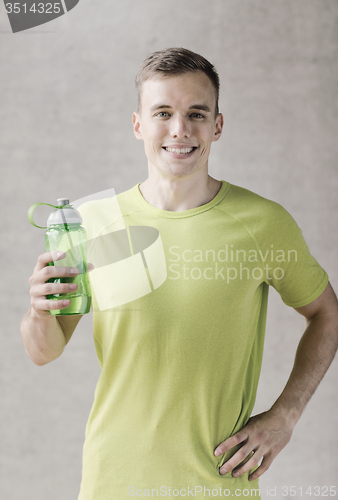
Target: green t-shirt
<point x="179" y="311"/>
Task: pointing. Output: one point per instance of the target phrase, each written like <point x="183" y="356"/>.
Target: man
<point x="180" y="365"/>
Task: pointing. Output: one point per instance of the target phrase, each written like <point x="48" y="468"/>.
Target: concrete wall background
<point x="67" y="96"/>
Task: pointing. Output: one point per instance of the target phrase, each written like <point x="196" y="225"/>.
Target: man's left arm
<point x="266" y="434"/>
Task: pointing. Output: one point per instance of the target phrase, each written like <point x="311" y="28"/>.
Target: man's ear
<point x="218" y="127"/>
<point x="137" y="126"/>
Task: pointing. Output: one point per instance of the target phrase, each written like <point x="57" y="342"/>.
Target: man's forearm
<point x="314" y="355"/>
<point x="42" y="336"/>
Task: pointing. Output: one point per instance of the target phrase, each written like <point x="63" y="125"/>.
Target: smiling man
<point x="178" y="120"/>
<point x="180" y="365"/>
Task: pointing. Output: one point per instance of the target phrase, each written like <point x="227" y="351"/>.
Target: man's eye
<point x="197" y="115"/>
<point x="162" y="114"/>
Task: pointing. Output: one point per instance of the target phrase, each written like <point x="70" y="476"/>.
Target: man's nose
<point x="180" y="127"/>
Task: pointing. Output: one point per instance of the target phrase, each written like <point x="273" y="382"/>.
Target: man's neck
<point x="179" y="194"/>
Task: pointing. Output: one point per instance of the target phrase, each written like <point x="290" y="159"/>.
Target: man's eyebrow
<point x="159" y="106"/>
<point x="201" y="107"/>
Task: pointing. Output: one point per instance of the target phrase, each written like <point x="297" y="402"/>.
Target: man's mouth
<point x="181" y="151"/>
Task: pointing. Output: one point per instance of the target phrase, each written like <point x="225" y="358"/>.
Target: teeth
<point x="180" y="151"/>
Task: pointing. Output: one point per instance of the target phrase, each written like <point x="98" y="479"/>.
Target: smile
<point x="181" y="151"/>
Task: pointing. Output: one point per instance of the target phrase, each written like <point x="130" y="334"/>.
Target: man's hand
<point x="40" y="306"/>
<point x="45" y="336"/>
<point x="262" y="438"/>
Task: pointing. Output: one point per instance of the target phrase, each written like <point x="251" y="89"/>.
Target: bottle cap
<point x="62" y="201"/>
<point x="65" y="215"/>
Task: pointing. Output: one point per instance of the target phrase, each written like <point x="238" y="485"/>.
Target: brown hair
<point x="176" y="61"/>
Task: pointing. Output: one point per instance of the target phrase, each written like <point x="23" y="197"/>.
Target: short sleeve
<point x="292" y="270"/>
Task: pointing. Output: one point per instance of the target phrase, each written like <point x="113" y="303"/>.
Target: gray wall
<point x="67" y="97"/>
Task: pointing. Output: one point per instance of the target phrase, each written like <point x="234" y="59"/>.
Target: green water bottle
<point x="65" y="233"/>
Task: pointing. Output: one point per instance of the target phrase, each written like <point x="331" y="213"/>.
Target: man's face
<point x="177" y="123"/>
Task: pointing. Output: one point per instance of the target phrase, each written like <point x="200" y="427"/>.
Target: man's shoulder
<point x="102" y="204"/>
<point x="244" y="202"/>
<point x="260" y="216"/>
<point x="101" y="213"/>
<point x="264" y="219"/>
<point x="128" y="196"/>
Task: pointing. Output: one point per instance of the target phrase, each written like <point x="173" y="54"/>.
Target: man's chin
<point x="179" y="172"/>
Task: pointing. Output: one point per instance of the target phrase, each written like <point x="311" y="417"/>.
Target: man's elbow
<point x="39" y="358"/>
